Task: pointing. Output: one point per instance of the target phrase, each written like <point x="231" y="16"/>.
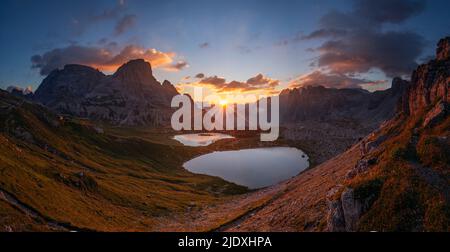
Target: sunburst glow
<point x="223" y="102"/>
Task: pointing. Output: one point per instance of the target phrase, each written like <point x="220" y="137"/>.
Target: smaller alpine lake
<point x="200" y="139"/>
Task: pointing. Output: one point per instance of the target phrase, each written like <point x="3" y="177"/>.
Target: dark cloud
<point x="261" y="80"/>
<point x="331" y="80"/>
<point x="356" y="41"/>
<point x="177" y="66"/>
<point x="390" y="11"/>
<point x="57" y="58"/>
<point x="214" y="81"/>
<point x="204" y="45"/>
<point x="200" y="76"/>
<point x="394" y="53"/>
<point x="102" y="41"/>
<point x="124" y="24"/>
<point x="101" y="58"/>
<point x="244" y="49"/>
<point x="325" y="33"/>
<point x="116" y="14"/>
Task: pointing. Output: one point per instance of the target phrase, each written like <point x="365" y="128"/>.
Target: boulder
<point x="351" y="209"/>
<point x="335" y="217"/>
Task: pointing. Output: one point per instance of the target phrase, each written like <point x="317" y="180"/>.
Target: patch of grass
<point x="403" y="152"/>
<point x="368" y="191"/>
<point x="406" y="196"/>
<point x="434" y="152"/>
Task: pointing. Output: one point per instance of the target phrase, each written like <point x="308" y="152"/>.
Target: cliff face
<point x="430" y="82"/>
<point x="322" y="104"/>
<point x="131" y="96"/>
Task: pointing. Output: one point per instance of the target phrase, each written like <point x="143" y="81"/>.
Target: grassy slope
<point x="68" y="172"/>
<point x="409" y="187"/>
<point x="12" y="219"/>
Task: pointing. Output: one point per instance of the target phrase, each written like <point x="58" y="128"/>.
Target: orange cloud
<point x="156" y="58"/>
<point x="104" y="59"/>
<point x="257" y="85"/>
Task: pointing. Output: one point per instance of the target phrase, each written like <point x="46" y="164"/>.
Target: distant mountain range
<point x="320" y="104"/>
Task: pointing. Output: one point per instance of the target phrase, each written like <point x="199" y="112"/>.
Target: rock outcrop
<point x="131" y="96"/>
<point x="426" y="101"/>
<point x="430" y="82"/>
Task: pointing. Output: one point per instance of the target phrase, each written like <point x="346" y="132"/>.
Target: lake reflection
<point x="254" y="168"/>
<point x="200" y="139"/>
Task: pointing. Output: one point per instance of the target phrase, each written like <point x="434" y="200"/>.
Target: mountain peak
<point x="137" y="70"/>
<point x="169" y="87"/>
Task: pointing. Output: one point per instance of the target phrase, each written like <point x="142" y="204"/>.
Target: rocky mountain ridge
<point x="131" y="96"/>
<point x="317" y="103"/>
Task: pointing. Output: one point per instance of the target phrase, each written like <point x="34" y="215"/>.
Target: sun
<point x="223" y="102"/>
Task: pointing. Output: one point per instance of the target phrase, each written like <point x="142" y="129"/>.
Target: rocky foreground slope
<point x="395" y="179"/>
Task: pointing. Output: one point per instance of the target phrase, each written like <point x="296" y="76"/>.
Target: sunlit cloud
<point x="176" y="66"/>
<point x="104" y="59"/>
<point x="258" y="85"/>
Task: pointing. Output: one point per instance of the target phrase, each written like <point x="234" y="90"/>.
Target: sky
<point x="226" y="46"/>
